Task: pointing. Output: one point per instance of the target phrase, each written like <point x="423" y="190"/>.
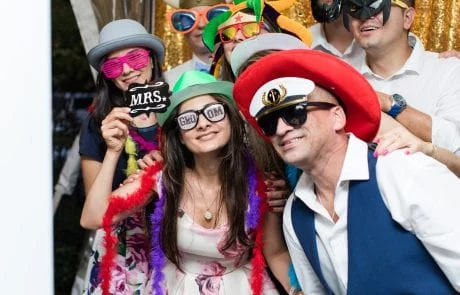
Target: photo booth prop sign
<point x="146" y="98"/>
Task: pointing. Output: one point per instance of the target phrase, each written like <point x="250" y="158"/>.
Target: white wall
<point x="26" y="265"/>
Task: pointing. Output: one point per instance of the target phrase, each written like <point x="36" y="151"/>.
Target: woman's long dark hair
<point x="108" y="96"/>
<point x="226" y="73"/>
<point x="233" y="172"/>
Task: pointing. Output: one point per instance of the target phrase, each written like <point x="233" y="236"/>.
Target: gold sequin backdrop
<point x="437" y="23"/>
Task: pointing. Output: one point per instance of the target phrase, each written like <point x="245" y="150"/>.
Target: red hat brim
<point x="359" y="99"/>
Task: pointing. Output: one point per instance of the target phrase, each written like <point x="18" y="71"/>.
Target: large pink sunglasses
<point x="136" y="59"/>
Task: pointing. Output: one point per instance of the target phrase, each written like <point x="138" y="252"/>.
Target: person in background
<point x="126" y="54"/>
<point x="417" y="90"/>
<point x="330" y="35"/>
<point x="250" y="50"/>
<point x="349" y="208"/>
<point x="245" y="54"/>
<point x="189" y="18"/>
<point x="245" y="20"/>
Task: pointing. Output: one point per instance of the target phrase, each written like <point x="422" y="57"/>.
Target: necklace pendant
<point x="208" y="215"/>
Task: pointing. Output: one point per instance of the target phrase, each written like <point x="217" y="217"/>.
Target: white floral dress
<point x="207" y="269"/>
<point x="130" y="273"/>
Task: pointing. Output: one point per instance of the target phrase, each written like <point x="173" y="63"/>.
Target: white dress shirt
<point x="421" y="194"/>
<point x="429" y="84"/>
<point x="353" y="55"/>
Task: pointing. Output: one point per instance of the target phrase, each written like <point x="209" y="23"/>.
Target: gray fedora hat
<point x="124" y="33"/>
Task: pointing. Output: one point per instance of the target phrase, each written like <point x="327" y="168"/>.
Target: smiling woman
<point x="206" y="230"/>
<point x="110" y="141"/>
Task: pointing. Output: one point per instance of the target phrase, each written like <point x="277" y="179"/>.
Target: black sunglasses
<point x="213" y="112"/>
<point x="295" y="116"/>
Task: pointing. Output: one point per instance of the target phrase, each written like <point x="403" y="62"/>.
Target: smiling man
<point x="354" y="224"/>
<point x="417" y="89"/>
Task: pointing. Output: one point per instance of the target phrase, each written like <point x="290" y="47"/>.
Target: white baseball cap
<point x="269" y="41"/>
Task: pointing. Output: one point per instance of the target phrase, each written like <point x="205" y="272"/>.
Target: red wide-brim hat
<point x="357" y="96"/>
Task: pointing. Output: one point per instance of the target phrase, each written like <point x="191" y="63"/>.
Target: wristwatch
<point x="399" y="104"/>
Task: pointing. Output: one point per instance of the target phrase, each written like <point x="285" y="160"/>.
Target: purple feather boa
<point x="142" y="144"/>
<point x="252" y="216"/>
<point x="157" y="256"/>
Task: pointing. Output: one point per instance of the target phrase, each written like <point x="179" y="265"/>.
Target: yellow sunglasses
<point x="249" y="29"/>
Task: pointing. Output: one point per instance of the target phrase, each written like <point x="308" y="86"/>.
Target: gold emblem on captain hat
<point x="274" y="96"/>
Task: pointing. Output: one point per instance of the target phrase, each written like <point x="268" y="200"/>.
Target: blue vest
<point x="383" y="257"/>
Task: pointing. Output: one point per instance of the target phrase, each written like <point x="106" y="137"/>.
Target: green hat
<point x="192" y="84"/>
<point x="262" y="9"/>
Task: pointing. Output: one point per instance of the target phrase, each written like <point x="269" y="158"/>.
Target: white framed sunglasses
<point x="213" y="112"/>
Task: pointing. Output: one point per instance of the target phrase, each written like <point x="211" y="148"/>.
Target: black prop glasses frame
<point x="213" y="112"/>
<point x="295" y="116"/>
